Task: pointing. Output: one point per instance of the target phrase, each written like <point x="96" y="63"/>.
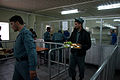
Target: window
<point x="4" y="30"/>
<point x="64" y="25"/>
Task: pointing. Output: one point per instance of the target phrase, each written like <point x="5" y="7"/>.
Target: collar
<point x="22" y="29"/>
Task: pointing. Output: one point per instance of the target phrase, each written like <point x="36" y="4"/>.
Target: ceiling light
<point x="115" y="20"/>
<point x="69" y="11"/>
<point x="111" y="6"/>
<point x="99" y="21"/>
<point x="108" y="25"/>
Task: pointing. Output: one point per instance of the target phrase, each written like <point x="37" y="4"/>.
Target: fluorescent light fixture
<point x="69" y="11"/>
<point x="111" y="6"/>
<point x="108" y="25"/>
<point x="115" y="20"/>
<point x="99" y="21"/>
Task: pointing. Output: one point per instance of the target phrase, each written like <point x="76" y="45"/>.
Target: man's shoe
<point x="81" y="79"/>
<point x="73" y="78"/>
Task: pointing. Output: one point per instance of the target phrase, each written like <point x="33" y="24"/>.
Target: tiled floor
<point x="7" y="68"/>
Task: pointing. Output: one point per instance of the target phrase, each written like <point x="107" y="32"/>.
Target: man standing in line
<point x="47" y="37"/>
<point x="24" y="51"/>
<point x="58" y="38"/>
<point x="34" y="33"/>
<point x="114" y="37"/>
<point x="77" y="57"/>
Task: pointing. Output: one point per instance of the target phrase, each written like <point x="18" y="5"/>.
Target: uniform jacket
<point x="25" y="47"/>
<point x="83" y="39"/>
<point x="58" y="37"/>
<point x="47" y="36"/>
<point x="114" y="38"/>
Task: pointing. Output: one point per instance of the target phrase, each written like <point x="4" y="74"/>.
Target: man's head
<point x="48" y="29"/>
<point x="16" y="22"/>
<point x="78" y="23"/>
<point x="31" y="29"/>
<point x="60" y="31"/>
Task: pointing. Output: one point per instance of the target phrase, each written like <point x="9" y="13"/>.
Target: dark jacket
<point x="84" y="40"/>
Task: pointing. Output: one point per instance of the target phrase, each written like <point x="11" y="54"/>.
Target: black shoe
<point x="73" y="78"/>
<point x="81" y="79"/>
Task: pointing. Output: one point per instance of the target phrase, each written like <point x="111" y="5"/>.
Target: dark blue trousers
<point x="21" y="71"/>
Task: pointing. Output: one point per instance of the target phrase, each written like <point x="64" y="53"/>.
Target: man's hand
<point x="32" y="75"/>
<point x="8" y="51"/>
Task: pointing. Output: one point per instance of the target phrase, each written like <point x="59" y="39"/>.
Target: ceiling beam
<point x="20" y="11"/>
<point x="67" y="5"/>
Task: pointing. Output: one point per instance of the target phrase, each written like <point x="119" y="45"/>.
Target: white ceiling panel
<point x="54" y="7"/>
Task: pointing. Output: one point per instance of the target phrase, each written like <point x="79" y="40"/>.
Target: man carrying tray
<point x="82" y="37"/>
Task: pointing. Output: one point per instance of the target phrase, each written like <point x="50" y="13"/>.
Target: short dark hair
<point x="78" y="21"/>
<point x="16" y="18"/>
<point x="31" y="29"/>
<point x="48" y="28"/>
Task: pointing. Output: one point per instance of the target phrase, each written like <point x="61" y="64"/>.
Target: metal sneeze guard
<point x="107" y="69"/>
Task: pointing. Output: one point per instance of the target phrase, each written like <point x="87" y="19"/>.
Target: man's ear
<point x="17" y="23"/>
<point x="80" y="24"/>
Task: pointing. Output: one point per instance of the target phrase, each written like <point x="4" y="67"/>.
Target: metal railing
<point x="55" y="49"/>
<point x="6" y="45"/>
<point x="56" y="58"/>
<point x="57" y="61"/>
<point x="107" y="69"/>
<point x="51" y="44"/>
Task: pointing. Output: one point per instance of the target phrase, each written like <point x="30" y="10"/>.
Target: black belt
<point x="22" y="59"/>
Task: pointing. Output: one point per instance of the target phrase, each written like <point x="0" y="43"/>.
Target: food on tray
<point x="8" y="51"/>
<point x="5" y="51"/>
<point x="75" y="46"/>
<point x="72" y="45"/>
<point x="67" y="44"/>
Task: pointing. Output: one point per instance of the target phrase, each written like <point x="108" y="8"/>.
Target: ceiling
<point x="53" y="8"/>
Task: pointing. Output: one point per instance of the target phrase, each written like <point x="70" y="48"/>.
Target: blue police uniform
<point x="114" y="38"/>
<point x="58" y="37"/>
<point x="47" y="36"/>
<point x="66" y="34"/>
<point x="47" y="39"/>
<point x="25" y="54"/>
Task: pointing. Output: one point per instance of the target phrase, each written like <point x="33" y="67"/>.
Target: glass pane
<point x="108" y="29"/>
<point x="93" y="26"/>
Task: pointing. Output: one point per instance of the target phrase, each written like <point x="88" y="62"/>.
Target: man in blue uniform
<point x="114" y="37"/>
<point x="47" y="37"/>
<point x="24" y="51"/>
<point x="66" y="34"/>
<point x="77" y="57"/>
<point x="34" y="33"/>
<point x="58" y="37"/>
